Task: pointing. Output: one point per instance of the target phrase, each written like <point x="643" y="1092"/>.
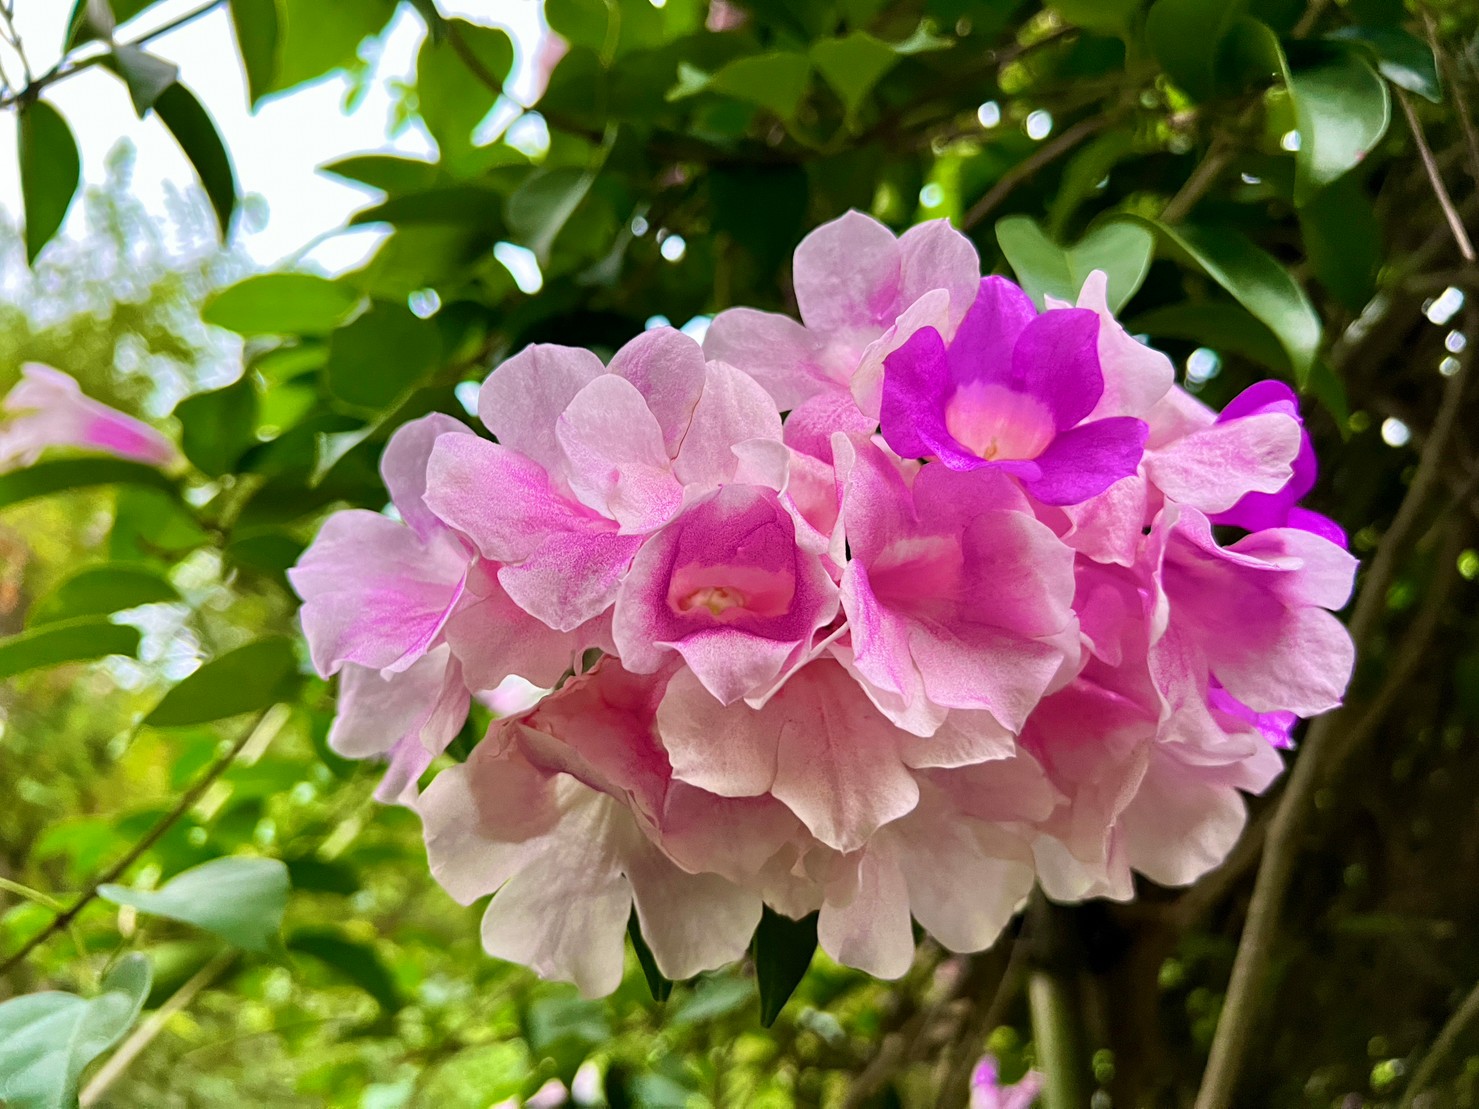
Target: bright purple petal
<point x="1083" y="462"/>
<point x="1056" y="361"/>
<point x="982" y="347"/>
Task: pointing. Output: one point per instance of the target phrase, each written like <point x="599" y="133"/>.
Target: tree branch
<point x="1043" y="156"/>
<point x="1435" y="179"/>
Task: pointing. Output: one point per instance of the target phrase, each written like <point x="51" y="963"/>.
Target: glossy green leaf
<point x="782" y="949"/>
<point x="219" y="426"/>
<point x="539" y="209"/>
<point x="100" y="590"/>
<point x="315" y="38"/>
<point x="1185" y="36"/>
<point x="386" y="172"/>
<point x="257" y="27"/>
<point x="775" y="81"/>
<point x="79" y="640"/>
<point x="282" y="304"/>
<point x="1401" y="57"/>
<point x="852" y="65"/>
<point x="240" y="898"/>
<point x="251" y="677"/>
<point x="1223" y="326"/>
<point x="1256" y="281"/>
<point x="1343" y="240"/>
<point x="47" y="1040"/>
<point x="458" y="80"/>
<point x="63" y="475"/>
<point x="379" y="355"/>
<point x="1343" y="108"/>
<point x="50" y="172"/>
<point x="1107" y="16"/>
<point x="1121" y="249"/>
<point x="196" y="133"/>
<point x="660" y="986"/>
<point x="145" y="75"/>
<point x="357" y="962"/>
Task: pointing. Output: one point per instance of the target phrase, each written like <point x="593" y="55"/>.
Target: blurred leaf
<point x="1083" y="173"/>
<point x="714" y="998"/>
<point x="458" y="80"/>
<point x="257" y="27"/>
<point x="782" y="949"/>
<point x="218" y="427"/>
<point x="775" y="81"/>
<point x="1222" y="326"/>
<point x="100" y="590"/>
<point x="1257" y="282"/>
<point x="357" y="962"/>
<point x="50" y="170"/>
<point x="69" y="641"/>
<point x="281" y="304"/>
<point x="1343" y="109"/>
<point x="852" y="65"/>
<point x="763" y="208"/>
<point x="1343" y="241"/>
<point x="1119" y="248"/>
<point x="240" y="898"/>
<point x="145" y="75"/>
<point x="1402" y="58"/>
<point x="196" y="133"/>
<point x="565" y="1030"/>
<point x="1185" y="36"/>
<point x="48" y="1039"/>
<point x="1107" y="16"/>
<point x="65" y="474"/>
<point x="376" y="357"/>
<point x="315" y="38"/>
<point x="149" y="525"/>
<point x="658" y="984"/>
<point x="387" y="172"/>
<point x="539" y="209"/>
<point x="251" y="677"/>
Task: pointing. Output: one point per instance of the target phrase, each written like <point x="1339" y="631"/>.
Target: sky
<point x="278" y="149"/>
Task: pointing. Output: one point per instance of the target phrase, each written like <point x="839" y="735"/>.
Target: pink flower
<point x="46" y="408"/>
<point x="590" y="460"/>
<point x="1012" y="391"/>
<point x="987" y="1092"/>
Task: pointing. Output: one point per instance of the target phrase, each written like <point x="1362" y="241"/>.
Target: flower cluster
<point x="895" y="610"/>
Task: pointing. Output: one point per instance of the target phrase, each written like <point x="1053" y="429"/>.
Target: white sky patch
<point x="278" y="150"/>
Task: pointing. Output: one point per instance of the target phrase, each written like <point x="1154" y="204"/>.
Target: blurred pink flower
<point x="47" y="408"/>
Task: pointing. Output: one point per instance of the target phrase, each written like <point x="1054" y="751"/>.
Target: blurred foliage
<point x="1243" y="168"/>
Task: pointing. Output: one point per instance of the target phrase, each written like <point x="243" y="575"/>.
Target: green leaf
<point x="145" y="75"/>
<point x="1343" y="240"/>
<point x="782" y="949"/>
<point x="1257" y="282"/>
<point x="50" y="172"/>
<point x="357" y="962"/>
<point x="196" y="133"/>
<point x="1186" y="36"/>
<point x="315" y="38"/>
<point x="218" y="427"/>
<point x="48" y="1039"/>
<point x="1342" y="107"/>
<point x="1402" y="58"/>
<point x="101" y="590"/>
<point x="1222" y="325"/>
<point x="1106" y="16"/>
<point x="775" y="81"/>
<point x="852" y="65"/>
<point x="658" y="984"/>
<point x="251" y="677"/>
<point x="565" y="1030"/>
<point x="69" y="641"/>
<point x="539" y="208"/>
<point x="257" y="27"/>
<point x="281" y="304"/>
<point x="457" y="82"/>
<point x="62" y="475"/>
<point x="376" y="357"/>
<point x="386" y="172"/>
<point x="1120" y="248"/>
<point x="240" y="898"/>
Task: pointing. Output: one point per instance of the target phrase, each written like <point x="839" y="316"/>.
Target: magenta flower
<point x="1011" y="392"/>
<point x="987" y="1091"/>
<point x="47" y="408"/>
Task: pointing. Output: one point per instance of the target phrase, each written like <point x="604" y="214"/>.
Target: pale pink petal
<point x="522" y="398"/>
<point x="691" y="922"/>
<point x="667" y="367"/>
<point x="1136" y="376"/>
<point x="733" y="409"/>
<point x="1179" y="826"/>
<point x="1212" y="469"/>
<point x="788" y="361"/>
<point x="403" y="468"/>
<point x="47" y="408"/>
<point x="872" y="931"/>
<point x="847" y="277"/>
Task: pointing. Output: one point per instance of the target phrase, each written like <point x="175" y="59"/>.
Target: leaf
<point x="70" y="641"/>
<point x="357" y="962"/>
<point x="196" y="133"/>
<point x="257" y="27"/>
<point x="1120" y="248"/>
<point x="457" y="82"/>
<point x="48" y="1039"/>
<point x="852" y="65"/>
<point x="658" y="984"/>
<point x="376" y="357"/>
<point x="1106" y="16"/>
<point x="1402" y="58"/>
<point x="145" y="75"/>
<point x="541" y="206"/>
<point x="101" y="590"/>
<point x="1343" y="240"/>
<point x="1342" y="108"/>
<point x="281" y="304"/>
<point x="1185" y="36"/>
<point x="1257" y="282"/>
<point x="50" y="171"/>
<point x="218" y="427"/>
<point x="240" y="898"/>
<point x="62" y="475"/>
<point x="782" y="949"/>
<point x="251" y="677"/>
<point x="1221" y="325"/>
<point x="315" y="37"/>
<point x="565" y="1030"/>
<point x="386" y="172"/>
<point x="774" y="81"/>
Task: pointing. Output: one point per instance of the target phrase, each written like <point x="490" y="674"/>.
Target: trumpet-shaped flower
<point x="47" y="408"/>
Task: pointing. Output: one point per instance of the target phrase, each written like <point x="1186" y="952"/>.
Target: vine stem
<point x="1044" y="155"/>
<point x="264" y="720"/>
<point x="1055" y="1038"/>
<point x="1324" y="747"/>
<point x="1465" y="1018"/>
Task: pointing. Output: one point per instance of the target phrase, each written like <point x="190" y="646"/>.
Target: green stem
<point x="1055" y="1037"/>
